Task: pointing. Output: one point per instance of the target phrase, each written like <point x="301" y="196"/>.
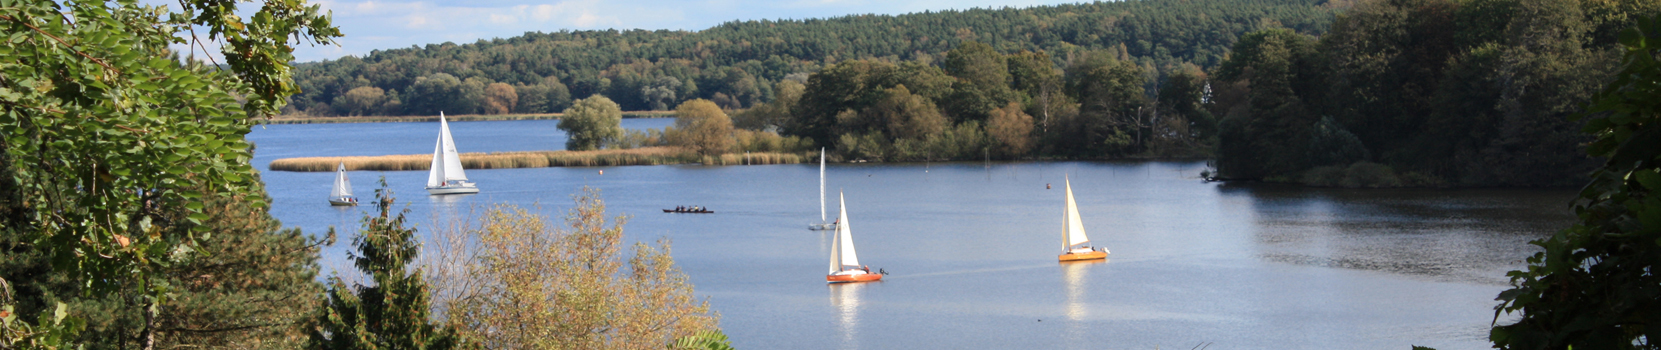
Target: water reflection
<point x="450" y="200"/>
<point x="1073" y="274"/>
<point x="845" y="297"/>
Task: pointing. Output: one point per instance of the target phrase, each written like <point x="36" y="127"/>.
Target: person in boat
<point x="866" y="268"/>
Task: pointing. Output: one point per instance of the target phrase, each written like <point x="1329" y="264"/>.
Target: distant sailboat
<point x="822" y="225"/>
<point x="844" y="262"/>
<point x="1072" y="234"/>
<point x="446" y="176"/>
<point x="342" y="193"/>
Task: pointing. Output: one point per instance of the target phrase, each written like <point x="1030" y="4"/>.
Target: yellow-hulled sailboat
<point x="844" y="262"/>
<point x="1072" y="234"/>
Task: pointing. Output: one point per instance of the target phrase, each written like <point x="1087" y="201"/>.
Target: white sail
<point x="343" y="186"/>
<point x="821" y="184"/>
<point x="836" y="255"/>
<point x="435" y="176"/>
<point x="844" y="237"/>
<point x="452" y="159"/>
<point x="1073" y="233"/>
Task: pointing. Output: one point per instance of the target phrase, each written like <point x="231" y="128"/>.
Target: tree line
<point x="131" y="218"/>
<point x="738" y="64"/>
<point x="1421" y="92"/>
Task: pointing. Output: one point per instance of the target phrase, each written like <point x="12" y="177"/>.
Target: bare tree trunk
<point x="147" y="339"/>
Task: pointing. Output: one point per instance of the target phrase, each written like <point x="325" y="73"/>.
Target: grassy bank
<point x="304" y="119"/>
<point x="536" y="159"/>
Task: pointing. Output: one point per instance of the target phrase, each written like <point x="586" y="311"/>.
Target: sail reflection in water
<point x="451" y="200"/>
<point x="1073" y="274"/>
<point x="845" y="297"/>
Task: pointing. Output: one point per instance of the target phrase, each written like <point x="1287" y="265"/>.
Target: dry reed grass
<point x="535" y="159"/>
<point x="756" y="158"/>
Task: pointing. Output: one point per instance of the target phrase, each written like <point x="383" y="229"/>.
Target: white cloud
<point x="416" y="21"/>
<point x="543" y="12"/>
<point x="503" y="18"/>
<point x="367" y="7"/>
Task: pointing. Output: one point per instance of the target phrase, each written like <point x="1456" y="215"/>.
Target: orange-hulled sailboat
<point x="1072" y="234"/>
<point x="844" y="263"/>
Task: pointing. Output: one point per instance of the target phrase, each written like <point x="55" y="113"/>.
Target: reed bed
<point x="531" y="159"/>
<point x="760" y="158"/>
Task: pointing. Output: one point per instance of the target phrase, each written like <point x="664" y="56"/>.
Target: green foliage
<point x="1330" y="144"/>
<point x="703" y="340"/>
<point x="854" y="86"/>
<point x="701" y="126"/>
<point x="1264" y="134"/>
<point x="591" y="122"/>
<point x="394" y="312"/>
<point x="367" y="100"/>
<point x="1182" y="100"/>
<point x="52" y="330"/>
<point x="241" y="291"/>
<point x="1110" y="96"/>
<point x="430" y="95"/>
<point x="107" y="134"/>
<point x="1011" y="128"/>
<point x="774" y="114"/>
<point x="1594" y="286"/>
<point x="742" y="60"/>
<point x="1464" y="92"/>
<point x="982" y="81"/>
<point x="550" y="96"/>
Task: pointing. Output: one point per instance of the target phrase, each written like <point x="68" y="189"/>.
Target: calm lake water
<point x="971" y="248"/>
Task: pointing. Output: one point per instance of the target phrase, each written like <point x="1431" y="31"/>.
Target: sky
<point x="372" y="25"/>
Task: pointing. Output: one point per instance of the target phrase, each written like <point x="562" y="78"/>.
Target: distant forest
<point x="737" y="64"/>
<point x="1372" y="93"/>
<point x="1422" y="93"/>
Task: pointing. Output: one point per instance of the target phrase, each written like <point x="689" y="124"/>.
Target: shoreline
<point x="454" y="118"/>
<point x="534" y="159"/>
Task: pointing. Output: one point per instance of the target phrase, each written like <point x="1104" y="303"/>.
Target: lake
<point x="971" y="247"/>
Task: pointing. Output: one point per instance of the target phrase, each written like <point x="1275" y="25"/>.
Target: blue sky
<point x="371" y="25"/>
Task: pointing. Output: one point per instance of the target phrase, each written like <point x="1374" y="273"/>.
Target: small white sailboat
<point x="447" y="176"/>
<point x="1072" y="234"/>
<point x="341" y="195"/>
<point x="844" y="262"/>
<point x="822" y="225"/>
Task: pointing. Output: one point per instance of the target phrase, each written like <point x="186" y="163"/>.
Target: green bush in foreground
<point x="1595" y="286"/>
<point x="392" y="313"/>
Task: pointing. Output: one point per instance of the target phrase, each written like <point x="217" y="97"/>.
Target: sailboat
<point x="822" y="225"/>
<point x="342" y="193"/>
<point x="1072" y="234"/>
<point x="844" y="263"/>
<point x="446" y="176"/>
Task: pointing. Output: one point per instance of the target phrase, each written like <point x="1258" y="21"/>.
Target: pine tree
<point x="393" y="313"/>
<point x="244" y="287"/>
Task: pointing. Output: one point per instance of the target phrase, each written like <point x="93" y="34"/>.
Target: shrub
<point x="1369" y="175"/>
<point x="571" y="286"/>
<point x="1325" y="176"/>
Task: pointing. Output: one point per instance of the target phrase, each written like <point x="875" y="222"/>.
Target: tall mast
<point x="821" y="184"/>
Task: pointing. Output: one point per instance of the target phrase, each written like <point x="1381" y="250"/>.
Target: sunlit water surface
<point x="971" y="247"/>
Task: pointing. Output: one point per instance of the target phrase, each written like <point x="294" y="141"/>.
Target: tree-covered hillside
<point x="736" y="64"/>
<point x="1445" y="92"/>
